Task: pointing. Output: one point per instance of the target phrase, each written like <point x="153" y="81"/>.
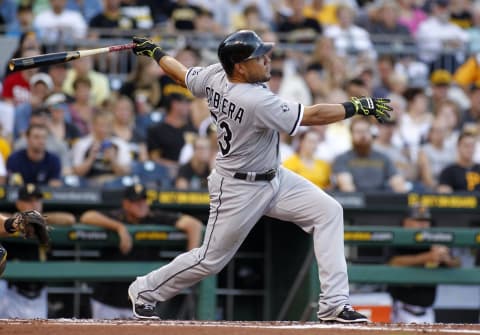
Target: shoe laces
<point x="348" y="308"/>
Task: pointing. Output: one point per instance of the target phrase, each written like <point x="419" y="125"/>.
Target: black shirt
<point x="167" y="139"/>
<point x="197" y="180"/>
<point x="184" y="16"/>
<point x="460" y="178"/>
<point x="121" y="22"/>
<point x="418" y="295"/>
<point x="114" y="293"/>
<point x="305" y="31"/>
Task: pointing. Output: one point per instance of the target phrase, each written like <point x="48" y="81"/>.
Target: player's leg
<point x="235" y="207"/>
<point x="301" y="202"/>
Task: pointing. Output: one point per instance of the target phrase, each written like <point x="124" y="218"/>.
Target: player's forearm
<point x="322" y="114"/>
<point x="95" y="218"/>
<point x="174" y="69"/>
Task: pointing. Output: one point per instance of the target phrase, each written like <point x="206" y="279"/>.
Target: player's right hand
<point x="377" y="107"/>
<point x="145" y="47"/>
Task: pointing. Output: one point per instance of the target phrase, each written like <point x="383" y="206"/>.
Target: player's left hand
<point x="145" y="47"/>
<point x="377" y="107"/>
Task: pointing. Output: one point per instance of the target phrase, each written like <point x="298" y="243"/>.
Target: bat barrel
<point x="18" y="64"/>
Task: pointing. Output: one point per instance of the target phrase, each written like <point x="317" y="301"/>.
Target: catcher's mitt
<point x="30" y="224"/>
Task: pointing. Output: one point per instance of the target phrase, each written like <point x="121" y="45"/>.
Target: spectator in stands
<point x="193" y="175"/>
<point x="317" y="76"/>
<point x="83" y="67"/>
<point x="27" y="41"/>
<point x="251" y="19"/>
<point x="472" y="115"/>
<point x="82" y="108"/>
<point x="384" y="23"/>
<point x="464" y="174"/>
<point x="415" y="123"/>
<point x="226" y="12"/>
<point x="414" y="303"/>
<point x="107" y="301"/>
<point x="7" y="122"/>
<point x="384" y="143"/>
<point x="111" y="21"/>
<point x="141" y="11"/>
<point x="41" y="86"/>
<point x="16" y="85"/>
<point x="5" y="147"/>
<point x="410" y="15"/>
<point x="305" y="164"/>
<point x="58" y="73"/>
<point x="35" y="164"/>
<point x="443" y="90"/>
<point x="443" y="50"/>
<point x="88" y="8"/>
<point x="8" y="8"/>
<point x="166" y="138"/>
<point x="295" y="27"/>
<point x="143" y="86"/>
<point x="350" y="39"/>
<point x="363" y="169"/>
<point x="99" y="156"/>
<point x="322" y="11"/>
<point x="124" y="127"/>
<point x="43" y="117"/>
<point x="63" y="130"/>
<point x="182" y="15"/>
<point x="435" y="155"/>
<point x="28" y="300"/>
<point x="450" y="113"/>
<point x="461" y="13"/>
<point x="23" y="22"/>
<point x="189" y="57"/>
<point x="60" y="25"/>
<point x="386" y="69"/>
<point x="288" y="84"/>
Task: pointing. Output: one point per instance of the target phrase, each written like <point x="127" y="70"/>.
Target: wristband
<point x="158" y="54"/>
<point x="8" y="225"/>
<point x="349" y="109"/>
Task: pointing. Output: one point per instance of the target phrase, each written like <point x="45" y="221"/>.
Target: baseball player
<point x="248" y="181"/>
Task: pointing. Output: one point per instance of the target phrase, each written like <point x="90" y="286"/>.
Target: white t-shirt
<point x="65" y="26"/>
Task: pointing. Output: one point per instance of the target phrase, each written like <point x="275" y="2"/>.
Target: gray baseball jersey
<point x="249" y="118"/>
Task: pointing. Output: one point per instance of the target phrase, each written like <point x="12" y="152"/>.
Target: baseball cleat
<point x="347" y="315"/>
<point x="142" y="311"/>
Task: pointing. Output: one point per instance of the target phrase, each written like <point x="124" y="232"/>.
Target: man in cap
<point x="27" y="300"/>
<point x="414" y="303"/>
<point x="108" y="301"/>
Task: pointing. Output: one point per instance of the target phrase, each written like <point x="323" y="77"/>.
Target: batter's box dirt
<point x="132" y="327"/>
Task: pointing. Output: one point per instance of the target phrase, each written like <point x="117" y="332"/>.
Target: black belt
<point x="252" y="176"/>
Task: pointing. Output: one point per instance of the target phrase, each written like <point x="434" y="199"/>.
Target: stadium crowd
<point x="76" y="124"/>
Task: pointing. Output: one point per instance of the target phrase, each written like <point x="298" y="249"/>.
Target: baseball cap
<point x="42" y="77"/>
<point x="29" y="191"/>
<point x="135" y="192"/>
<point x="55" y="99"/>
<point x="441" y="77"/>
<point x="419" y="212"/>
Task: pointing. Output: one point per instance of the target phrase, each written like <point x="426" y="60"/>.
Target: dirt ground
<point x="124" y="327"/>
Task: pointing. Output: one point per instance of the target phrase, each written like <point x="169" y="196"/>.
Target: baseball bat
<point x="19" y="64"/>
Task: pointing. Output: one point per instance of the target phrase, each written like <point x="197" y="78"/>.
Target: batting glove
<point x="145" y="47"/>
<point x="366" y="106"/>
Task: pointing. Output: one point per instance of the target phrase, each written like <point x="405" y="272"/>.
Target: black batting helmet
<point x="240" y="46"/>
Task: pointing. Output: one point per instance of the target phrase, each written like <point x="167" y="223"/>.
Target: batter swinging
<point x="248" y="181"/>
